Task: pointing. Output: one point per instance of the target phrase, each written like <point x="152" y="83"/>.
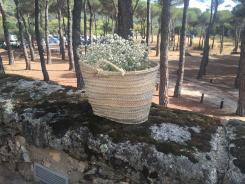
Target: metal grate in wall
<point x="47" y="176"/>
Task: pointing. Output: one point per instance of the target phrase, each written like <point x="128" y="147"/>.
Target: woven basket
<point x="124" y="97"/>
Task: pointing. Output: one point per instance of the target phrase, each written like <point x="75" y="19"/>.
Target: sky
<point x="227" y="5"/>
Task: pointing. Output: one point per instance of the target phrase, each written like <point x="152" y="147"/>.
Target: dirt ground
<point x="9" y="177"/>
<point x="221" y="69"/>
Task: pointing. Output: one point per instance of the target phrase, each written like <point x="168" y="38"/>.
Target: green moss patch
<point x="74" y="115"/>
<point x="238" y="151"/>
<point x="71" y="112"/>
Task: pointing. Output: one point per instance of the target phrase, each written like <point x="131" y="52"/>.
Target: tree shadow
<point x="68" y="75"/>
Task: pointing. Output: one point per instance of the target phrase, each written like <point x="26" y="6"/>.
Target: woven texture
<point x="121" y="97"/>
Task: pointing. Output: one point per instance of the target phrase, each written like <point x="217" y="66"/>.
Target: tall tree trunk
<point x="21" y="34"/>
<point x="6" y="34"/>
<point x="152" y="35"/>
<point x="125" y="18"/>
<point x="200" y="41"/>
<point x="32" y="53"/>
<point x="237" y="79"/>
<point x="241" y="101"/>
<point x="33" y="41"/>
<point x="158" y="38"/>
<point x="76" y="33"/>
<point x="61" y="33"/>
<point x="48" y="51"/>
<point x="148" y="22"/>
<point x="237" y="39"/>
<point x="142" y="29"/>
<point x="203" y="38"/>
<point x="213" y="41"/>
<point x="91" y="21"/>
<point x="135" y="6"/>
<point x="2" y="72"/>
<point x="164" y="75"/>
<point x="202" y="69"/>
<point x="41" y="18"/>
<point x="173" y="41"/>
<point x="178" y="41"/>
<point x="114" y="17"/>
<point x="85" y="24"/>
<point x="69" y="36"/>
<point x="191" y="40"/>
<point x="113" y="27"/>
<point x="222" y="40"/>
<point x="39" y="41"/>
<point x="29" y="24"/>
<point x="205" y="58"/>
<point x="64" y="25"/>
<point x="180" y="76"/>
<point x="95" y="25"/>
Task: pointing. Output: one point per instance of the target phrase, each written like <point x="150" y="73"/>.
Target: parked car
<point x="93" y="39"/>
<point x="53" y="40"/>
<point x="13" y="41"/>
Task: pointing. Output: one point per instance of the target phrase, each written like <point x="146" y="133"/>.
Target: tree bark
<point x="191" y="40"/>
<point x="152" y="35"/>
<point x="205" y="58"/>
<point x="33" y="41"/>
<point x="180" y="76"/>
<point x="135" y="6"/>
<point x="164" y="75"/>
<point x="46" y="27"/>
<point x="158" y="38"/>
<point x="85" y="24"/>
<point x="21" y="34"/>
<point x="29" y="40"/>
<point x="114" y="17"/>
<point x="6" y="34"/>
<point x="91" y="21"/>
<point x="203" y="38"/>
<point x="148" y="22"/>
<point x="2" y="72"/>
<point x="69" y="36"/>
<point x="95" y="25"/>
<point x="64" y="25"/>
<point x="125" y="18"/>
<point x="237" y="80"/>
<point x="76" y="33"/>
<point x="222" y="40"/>
<point x="213" y="42"/>
<point x="200" y="41"/>
<point x="241" y="101"/>
<point x="178" y="41"/>
<point x="173" y="40"/>
<point x="39" y="42"/>
<point x="61" y="33"/>
<point x="237" y="39"/>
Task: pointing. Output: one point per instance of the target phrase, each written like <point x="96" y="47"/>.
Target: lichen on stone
<point x="173" y="145"/>
<point x="170" y="133"/>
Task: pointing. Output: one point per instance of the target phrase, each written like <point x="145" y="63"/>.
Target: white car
<point x="13" y="41"/>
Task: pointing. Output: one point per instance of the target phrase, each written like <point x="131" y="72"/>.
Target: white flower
<point x="125" y="54"/>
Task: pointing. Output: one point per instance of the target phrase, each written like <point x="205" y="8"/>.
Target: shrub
<point x="125" y="54"/>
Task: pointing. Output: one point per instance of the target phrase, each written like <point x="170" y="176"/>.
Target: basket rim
<point x="117" y="73"/>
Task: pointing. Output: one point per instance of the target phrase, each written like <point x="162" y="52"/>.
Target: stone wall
<point x="54" y="126"/>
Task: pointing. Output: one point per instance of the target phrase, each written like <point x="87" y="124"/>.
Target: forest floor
<point x="222" y="70"/>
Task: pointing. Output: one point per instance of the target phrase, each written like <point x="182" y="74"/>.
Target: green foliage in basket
<point x="126" y="54"/>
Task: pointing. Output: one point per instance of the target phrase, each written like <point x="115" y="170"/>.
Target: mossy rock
<point x="71" y="112"/>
